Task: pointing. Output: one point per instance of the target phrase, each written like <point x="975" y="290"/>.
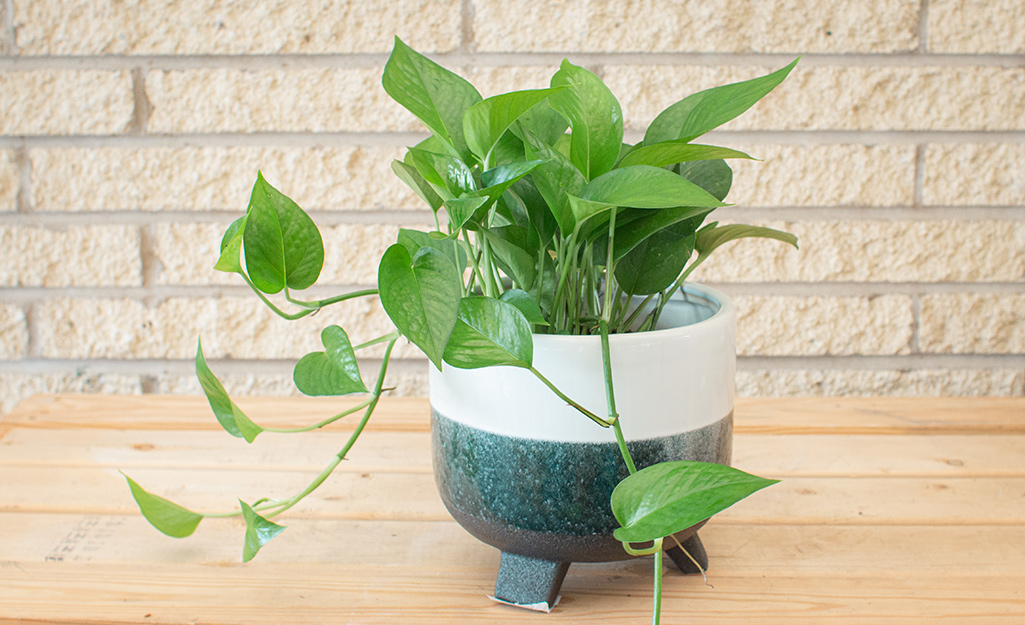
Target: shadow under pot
<point x="524" y="472"/>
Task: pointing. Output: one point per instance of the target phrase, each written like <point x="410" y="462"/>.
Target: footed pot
<point x="524" y="472"/>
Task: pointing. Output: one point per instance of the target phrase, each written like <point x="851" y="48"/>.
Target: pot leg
<point x="694" y="548"/>
<point x="528" y="581"/>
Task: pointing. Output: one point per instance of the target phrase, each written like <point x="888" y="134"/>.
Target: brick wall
<point x="131" y="133"/>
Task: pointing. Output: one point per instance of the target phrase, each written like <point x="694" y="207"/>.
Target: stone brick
<point x="15" y="387"/>
<point x="877" y="26"/>
<point x="976" y="26"/>
<point x="77" y="256"/>
<point x="294" y="100"/>
<point x="838" y="98"/>
<point x="823" y="326"/>
<point x="875" y="251"/>
<point x="491" y="81"/>
<point x="886" y="382"/>
<point x="65" y="102"/>
<point x="236" y="328"/>
<point x="824" y="175"/>
<point x="211" y="178"/>
<point x="13" y="333"/>
<point x="974" y="175"/>
<point x="53" y="27"/>
<point x="8" y="181"/>
<point x="973" y="323"/>
<point x="187" y="252"/>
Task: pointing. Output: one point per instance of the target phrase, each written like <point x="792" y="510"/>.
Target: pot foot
<point x="695" y="549"/>
<point x="529" y="582"/>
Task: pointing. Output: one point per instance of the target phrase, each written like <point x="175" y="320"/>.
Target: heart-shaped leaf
<point x="462" y="210"/>
<point x="231" y="247"/>
<point x="669" y="497"/>
<point x="657" y="261"/>
<point x="630" y="235"/>
<point x="331" y="372"/>
<point x="526" y="305"/>
<point x="706" y="110"/>
<point x="229" y="415"/>
<point x="508" y="246"/>
<point x="489" y="332"/>
<point x="436" y="96"/>
<point x="714" y="176"/>
<point x="409" y="175"/>
<point x="452" y="249"/>
<point x="644" y="186"/>
<point x="594" y="115"/>
<point x="166" y="516"/>
<point x="486" y="121"/>
<point x="421" y="296"/>
<point x="282" y="244"/>
<point x="448" y="175"/>
<point x="556" y="178"/>
<point x="259" y="531"/>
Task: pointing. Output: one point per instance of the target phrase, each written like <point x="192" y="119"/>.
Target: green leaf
<point x="409" y="175"/>
<point x="556" y="178"/>
<point x="231" y="247"/>
<point x="259" y="531"/>
<point x="421" y="296"/>
<point x="486" y="121"/>
<point x="436" y="96"/>
<point x="697" y="114"/>
<point x="461" y="210"/>
<point x="331" y="372"/>
<point x="543" y="122"/>
<point x="669" y="497"/>
<point x="594" y="115"/>
<point x="229" y="415"/>
<point x="282" y="244"/>
<point x="672" y="152"/>
<point x="446" y="173"/>
<point x="489" y="332"/>
<point x="510" y="254"/>
<point x="165" y="515"/>
<point x="526" y="305"/>
<point x="715" y="176"/>
<point x="714" y="235"/>
<point x="413" y="240"/>
<point x="629" y="235"/>
<point x="657" y="261"/>
<point x="644" y="186"/>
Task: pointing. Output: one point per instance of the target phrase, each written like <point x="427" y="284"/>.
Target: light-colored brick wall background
<point x="132" y="131"/>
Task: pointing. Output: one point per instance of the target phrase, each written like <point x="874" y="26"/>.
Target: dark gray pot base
<point x="534" y="583"/>
<point x="545" y="504"/>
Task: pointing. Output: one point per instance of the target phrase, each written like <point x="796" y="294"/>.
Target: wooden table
<point x="890" y="511"/>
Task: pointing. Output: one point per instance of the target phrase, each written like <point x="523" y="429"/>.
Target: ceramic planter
<point x="524" y="472"/>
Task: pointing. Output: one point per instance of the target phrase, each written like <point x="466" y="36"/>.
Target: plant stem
<point x="656" y="612"/>
<point x="587" y="413"/>
<point x="321" y="303"/>
<point x="317" y="426"/>
<point x="277" y="311"/>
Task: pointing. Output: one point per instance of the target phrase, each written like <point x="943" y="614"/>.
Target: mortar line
<point x="908" y="58"/>
<point x="918" y="193"/>
<point x="23" y="196"/>
<point x="32" y="348"/>
<point x="149" y="261"/>
<point x="303" y="139"/>
<point x="916" y="324"/>
<point x="143" y="108"/>
<point x="923" y="27"/>
<point x="467" y="45"/>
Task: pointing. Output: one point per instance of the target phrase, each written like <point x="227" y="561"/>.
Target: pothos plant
<point x="545" y="221"/>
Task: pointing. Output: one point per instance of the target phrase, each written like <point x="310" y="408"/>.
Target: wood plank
<point x="901" y="455"/>
<point x="734" y="548"/>
<point x="890" y="415"/>
<point x="303" y="593"/>
<point x="412" y="496"/>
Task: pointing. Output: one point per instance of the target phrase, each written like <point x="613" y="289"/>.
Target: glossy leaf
<point x="421" y="296"/>
<point x="714" y="235"/>
<point x="669" y="497"/>
<point x="715" y="176"/>
<point x="594" y="115"/>
<point x="231" y="247"/>
<point x="556" y="178"/>
<point x="657" y="261"/>
<point x="486" y="121"/>
<point x="461" y="210"/>
<point x="672" y="152"/>
<point x="448" y="175"/>
<point x="409" y="175"/>
<point x="165" y="515"/>
<point x="629" y="235"/>
<point x="229" y="415"/>
<point x="543" y="122"/>
<point x="697" y="114"/>
<point x="330" y="372"/>
<point x="282" y="244"/>
<point x="259" y="531"/>
<point x="644" y="186"/>
<point x="437" y="97"/>
<point x="489" y="332"/>
<point x="511" y="255"/>
<point x="413" y="240"/>
<point x="500" y="179"/>
<point x="526" y="305"/>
